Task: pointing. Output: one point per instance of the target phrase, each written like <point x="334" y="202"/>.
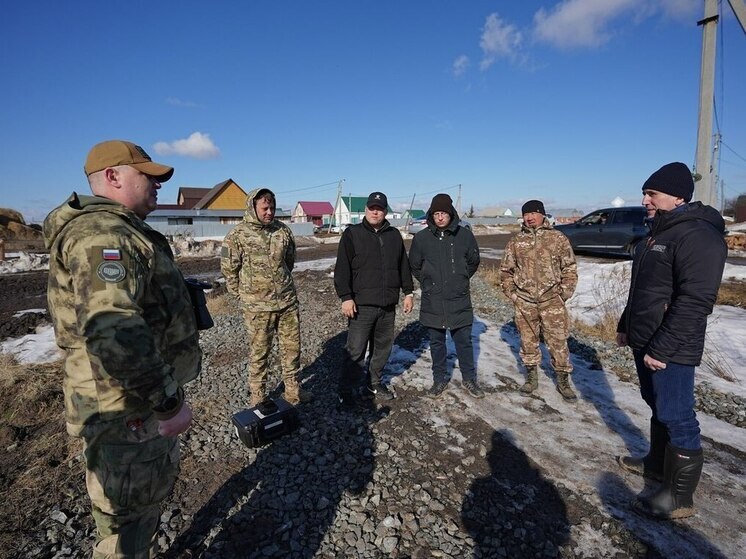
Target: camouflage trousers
<point x="548" y="319"/>
<point x="130" y="470"/>
<point x="262" y="328"/>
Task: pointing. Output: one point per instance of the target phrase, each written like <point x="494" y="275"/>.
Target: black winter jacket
<point x="676" y="275"/>
<point x="443" y="262"/>
<point x="372" y="266"/>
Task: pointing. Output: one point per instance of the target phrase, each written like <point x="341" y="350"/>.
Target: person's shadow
<point x="413" y="341"/>
<point x="514" y="495"/>
<point x="283" y="503"/>
<point x="593" y="388"/>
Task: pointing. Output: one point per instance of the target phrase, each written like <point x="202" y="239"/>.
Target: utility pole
<point x="336" y="205"/>
<point x="458" y="200"/>
<point x="705" y="189"/>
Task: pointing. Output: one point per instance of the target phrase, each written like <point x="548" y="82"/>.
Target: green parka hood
<point x="75" y="206"/>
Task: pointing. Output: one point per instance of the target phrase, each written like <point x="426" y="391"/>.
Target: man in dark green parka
<point x="443" y="258"/>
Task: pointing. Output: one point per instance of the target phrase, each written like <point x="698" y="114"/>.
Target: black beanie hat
<point x="441" y="203"/>
<point x="533" y="206"/>
<point x="674" y="179"/>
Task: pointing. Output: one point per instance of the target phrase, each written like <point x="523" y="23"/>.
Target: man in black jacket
<point x="371" y="268"/>
<point x="675" y="280"/>
<point x="443" y="257"/>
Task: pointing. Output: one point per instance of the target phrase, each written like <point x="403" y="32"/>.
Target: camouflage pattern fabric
<point x="120" y="310"/>
<point x="122" y="313"/>
<point x="547" y="319"/>
<point x="261" y="328"/>
<point x="539" y="273"/>
<point x="257" y="260"/>
<point x="130" y="472"/>
<point x="539" y="264"/>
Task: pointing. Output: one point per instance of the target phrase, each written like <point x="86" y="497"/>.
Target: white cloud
<point x="196" y="146"/>
<point x="460" y="65"/>
<point x="590" y="23"/>
<point x="176" y="102"/>
<point x="682" y="9"/>
<point x="499" y="40"/>
<point x="580" y="23"/>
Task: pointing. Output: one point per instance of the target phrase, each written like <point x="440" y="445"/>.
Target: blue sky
<point x="572" y="102"/>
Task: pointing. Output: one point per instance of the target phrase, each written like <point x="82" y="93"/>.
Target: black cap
<point x="533" y="206"/>
<point x="377" y="199"/>
<point x="674" y="179"/>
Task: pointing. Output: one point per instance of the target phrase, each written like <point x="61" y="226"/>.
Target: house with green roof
<point x="413" y="214"/>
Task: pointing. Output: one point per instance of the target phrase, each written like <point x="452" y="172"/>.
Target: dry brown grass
<point x="220" y="303"/>
<point x="37" y="465"/>
<point x="732" y="293"/>
<point x="491" y="274"/>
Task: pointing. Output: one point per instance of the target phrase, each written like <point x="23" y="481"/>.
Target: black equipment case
<point x="270" y="419"/>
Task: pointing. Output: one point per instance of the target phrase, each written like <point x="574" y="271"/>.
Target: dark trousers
<point x="670" y="395"/>
<point x="371" y="327"/>
<point x="464" y="351"/>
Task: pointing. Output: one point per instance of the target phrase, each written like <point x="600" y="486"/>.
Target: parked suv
<point x="607" y="231"/>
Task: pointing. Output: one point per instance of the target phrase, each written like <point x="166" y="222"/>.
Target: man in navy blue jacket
<point x="676" y="275"/>
<point x="371" y="269"/>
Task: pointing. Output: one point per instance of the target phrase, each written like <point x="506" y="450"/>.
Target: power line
<point x="734" y="152"/>
<point x="308" y="188"/>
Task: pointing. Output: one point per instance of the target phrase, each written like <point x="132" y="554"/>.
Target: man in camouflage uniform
<point x="124" y="318"/>
<point x="538" y="273"/>
<point x="258" y="256"/>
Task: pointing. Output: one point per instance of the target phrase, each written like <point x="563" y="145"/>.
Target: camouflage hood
<point x="250" y="216"/>
<point x="75" y="206"/>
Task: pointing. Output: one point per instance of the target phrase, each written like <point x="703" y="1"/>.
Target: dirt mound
<point x="13" y="226"/>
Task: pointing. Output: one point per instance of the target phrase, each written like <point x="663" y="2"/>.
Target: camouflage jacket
<point x="539" y="264"/>
<point x="120" y="310"/>
<point x="257" y="261"/>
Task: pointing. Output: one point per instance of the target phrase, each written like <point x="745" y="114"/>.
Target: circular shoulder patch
<point x="111" y="272"/>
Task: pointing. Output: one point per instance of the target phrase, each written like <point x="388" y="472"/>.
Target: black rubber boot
<point x="674" y="499"/>
<point x="651" y="465"/>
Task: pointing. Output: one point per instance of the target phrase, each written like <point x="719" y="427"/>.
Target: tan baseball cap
<point x="118" y="152"/>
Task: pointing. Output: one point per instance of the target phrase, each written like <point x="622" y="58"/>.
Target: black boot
<point x="681" y="472"/>
<point x="651" y="465"/>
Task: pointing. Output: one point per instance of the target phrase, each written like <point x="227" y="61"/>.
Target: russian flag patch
<point x="112" y="254"/>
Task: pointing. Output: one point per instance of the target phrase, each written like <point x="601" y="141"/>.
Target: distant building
<point x="318" y="213"/>
<point x="494" y="211"/>
<point x="413" y="214"/>
<point x="202" y="211"/>
<point x="565" y="215"/>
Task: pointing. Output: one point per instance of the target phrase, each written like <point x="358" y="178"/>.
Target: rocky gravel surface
<point x="384" y="481"/>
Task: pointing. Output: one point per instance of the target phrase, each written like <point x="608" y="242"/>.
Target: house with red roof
<point x="318" y="213"/>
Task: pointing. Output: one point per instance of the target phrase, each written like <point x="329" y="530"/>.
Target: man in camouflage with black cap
<point x="124" y="318"/>
<point x="538" y="273"/>
<point x="257" y="261"/>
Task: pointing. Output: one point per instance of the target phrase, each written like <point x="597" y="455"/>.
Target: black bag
<point x="196" y="290"/>
<point x="269" y="420"/>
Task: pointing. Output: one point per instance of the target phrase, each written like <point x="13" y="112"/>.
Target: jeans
<point x="464" y="350"/>
<point x="670" y="395"/>
<point x="374" y="327"/>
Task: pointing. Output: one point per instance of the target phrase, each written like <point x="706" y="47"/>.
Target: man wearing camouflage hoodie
<point x="538" y="273"/>
<point x="257" y="259"/>
<point x="123" y="316"/>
